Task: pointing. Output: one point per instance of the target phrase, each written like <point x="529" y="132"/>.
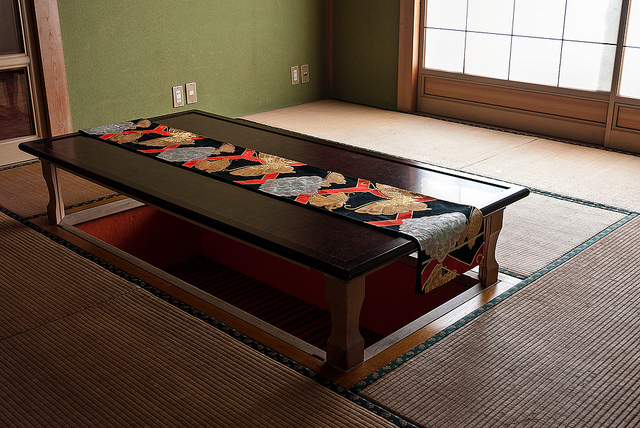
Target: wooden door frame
<point x="57" y="109"/>
<point x="408" y="55"/>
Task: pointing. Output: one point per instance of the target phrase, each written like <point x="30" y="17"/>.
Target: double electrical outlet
<point x="295" y="74"/>
<point x="179" y="94"/>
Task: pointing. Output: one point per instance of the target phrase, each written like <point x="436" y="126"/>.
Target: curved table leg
<point x="55" y="208"/>
<point x="489" y="265"/>
<point x="345" y="347"/>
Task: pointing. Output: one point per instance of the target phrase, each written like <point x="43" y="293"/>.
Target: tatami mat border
<point x="18" y="164"/>
<point x="581" y="201"/>
<point x="345" y="392"/>
<point x="31" y="217"/>
<point x="492" y="303"/>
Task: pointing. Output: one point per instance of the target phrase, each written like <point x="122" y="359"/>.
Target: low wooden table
<point x="344" y="251"/>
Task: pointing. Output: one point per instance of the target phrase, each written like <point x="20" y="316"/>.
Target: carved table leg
<point x="489" y="265"/>
<point x="55" y="208"/>
<point x="345" y="347"/>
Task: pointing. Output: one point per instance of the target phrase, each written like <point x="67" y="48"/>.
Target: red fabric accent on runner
<point x="261" y="181"/>
<point x="247" y="154"/>
<point x="362" y="186"/>
<point x="190" y="163"/>
<point x="175" y="146"/>
<point x="303" y="199"/>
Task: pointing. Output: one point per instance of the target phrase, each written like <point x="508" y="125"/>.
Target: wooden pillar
<point x="345" y="347"/>
<point x="489" y="265"/>
<point x="55" y="208"/>
<point x="409" y="38"/>
<point x="52" y="65"/>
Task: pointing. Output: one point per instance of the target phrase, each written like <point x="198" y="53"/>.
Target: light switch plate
<point x="304" y="70"/>
<point x="178" y="96"/>
<point x="192" y="97"/>
<point x="295" y="75"/>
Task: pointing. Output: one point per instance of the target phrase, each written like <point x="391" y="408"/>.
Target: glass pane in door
<point x="11" y="41"/>
<point x="16" y="118"/>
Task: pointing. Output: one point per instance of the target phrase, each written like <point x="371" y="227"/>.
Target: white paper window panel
<point x="487" y="55"/>
<point x="630" y="80"/>
<point x="535" y="60"/>
<point x="444" y="50"/>
<point x="490" y="16"/>
<point x="450" y="14"/>
<point x="539" y="18"/>
<point x="633" y="27"/>
<point x="592" y="20"/>
<point x="587" y="66"/>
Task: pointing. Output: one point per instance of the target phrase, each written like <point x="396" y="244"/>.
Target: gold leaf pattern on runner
<point x="334" y="178"/>
<point x="212" y="165"/>
<point x="329" y="202"/>
<point x="473" y="229"/>
<point x="177" y="137"/>
<point x="225" y="148"/>
<point x="144" y="123"/>
<point x="439" y="276"/>
<point x="273" y="165"/>
<point x="125" y="138"/>
<point x="401" y="201"/>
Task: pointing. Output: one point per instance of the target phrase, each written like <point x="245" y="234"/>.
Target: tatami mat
<point x="41" y="282"/>
<point x="128" y="358"/>
<point x="449" y="144"/>
<point x="564" y="351"/>
<point x="23" y="189"/>
<point x="540" y="229"/>
<point x="80" y="346"/>
<point x="594" y="175"/>
<point x="602" y="176"/>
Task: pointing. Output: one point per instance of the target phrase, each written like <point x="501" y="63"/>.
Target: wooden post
<point x="408" y="54"/>
<point x="489" y="265"/>
<point x="345" y="347"/>
<point x="55" y="208"/>
<point x="54" y="77"/>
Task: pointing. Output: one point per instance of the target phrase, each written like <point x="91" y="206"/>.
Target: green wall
<point x="365" y="51"/>
<point x="123" y="57"/>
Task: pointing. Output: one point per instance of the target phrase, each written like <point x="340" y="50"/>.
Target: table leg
<point x="345" y="347"/>
<point x="489" y="265"/>
<point x="55" y="208"/>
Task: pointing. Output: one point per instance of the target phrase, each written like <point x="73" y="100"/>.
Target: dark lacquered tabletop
<point x="321" y="241"/>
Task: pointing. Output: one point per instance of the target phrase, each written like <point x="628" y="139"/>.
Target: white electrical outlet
<point x="192" y="97"/>
<point x="295" y="75"/>
<point x="178" y="96"/>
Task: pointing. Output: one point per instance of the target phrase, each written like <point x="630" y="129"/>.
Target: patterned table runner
<point x="448" y="234"/>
